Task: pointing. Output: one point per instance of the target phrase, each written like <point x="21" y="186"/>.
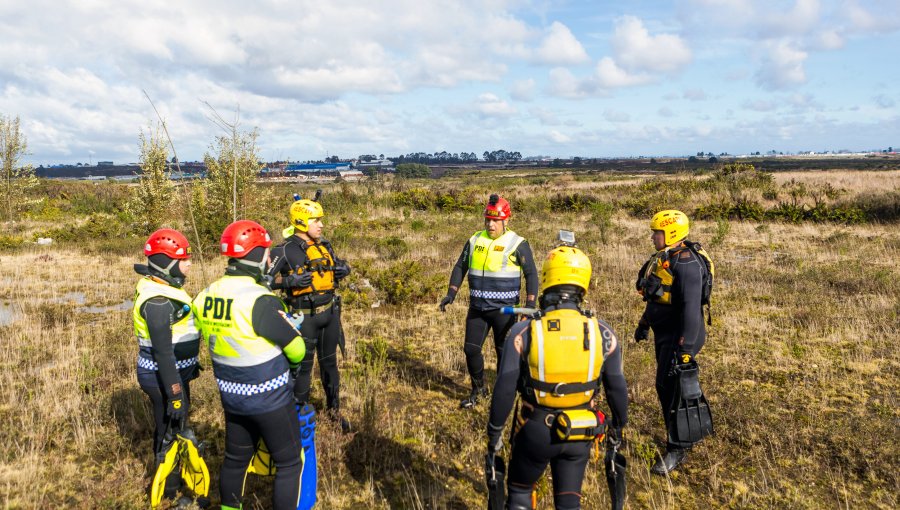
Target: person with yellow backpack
<point x="495" y="259"/>
<point x="167" y="361"/>
<point x="306" y="269"/>
<point x="558" y="360"/>
<point x="676" y="283"/>
<point x="255" y="346"/>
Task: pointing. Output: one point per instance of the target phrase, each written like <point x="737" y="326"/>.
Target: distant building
<point x="105" y="163"/>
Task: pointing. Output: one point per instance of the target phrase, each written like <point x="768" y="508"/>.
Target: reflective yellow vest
<point x="148" y="288"/>
<point x="224" y="311"/>
<point x="252" y="372"/>
<point x="565" y="356"/>
<point x="494" y="274"/>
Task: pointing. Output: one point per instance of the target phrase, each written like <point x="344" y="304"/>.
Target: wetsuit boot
<point x="478" y="392"/>
<point x="669" y="462"/>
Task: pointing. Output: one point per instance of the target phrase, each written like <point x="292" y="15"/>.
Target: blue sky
<point x="556" y="78"/>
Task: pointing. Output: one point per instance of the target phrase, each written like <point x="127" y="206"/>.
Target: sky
<point x="602" y="78"/>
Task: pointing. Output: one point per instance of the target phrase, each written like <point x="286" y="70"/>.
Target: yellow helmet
<point x="302" y="211"/>
<point x="674" y="223"/>
<point x="566" y="265"/>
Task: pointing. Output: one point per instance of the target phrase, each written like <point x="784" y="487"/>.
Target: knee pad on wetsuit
<point x="567" y="502"/>
<point x="519" y="501"/>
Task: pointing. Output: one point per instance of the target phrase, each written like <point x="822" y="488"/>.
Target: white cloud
<point x="558" y="137"/>
<point x="560" y="47"/>
<point x="522" y="90"/>
<point x="609" y="75"/>
<point x="489" y="105"/>
<point x="638" y="51"/>
<point x="616" y="116"/>
<point x="694" y="95"/>
<point x="782" y="67"/>
<point x="881" y="16"/>
<point x="884" y="101"/>
<point x="545" y="116"/>
<point x="760" y="105"/>
<point x="665" y="111"/>
<point x="565" y="84"/>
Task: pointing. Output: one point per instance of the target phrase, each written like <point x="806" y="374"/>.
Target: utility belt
<point x="306" y="306"/>
<point x="568" y="424"/>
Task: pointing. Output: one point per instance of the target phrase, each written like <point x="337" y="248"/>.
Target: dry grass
<point x="799" y="367"/>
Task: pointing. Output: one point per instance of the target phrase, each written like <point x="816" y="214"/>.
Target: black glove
<point x="448" y="299"/>
<point x="177" y="408"/>
<point x="298" y="281"/>
<point x="341" y="269"/>
<point x="683" y="358"/>
<point x="530" y="304"/>
<point x="642" y="332"/>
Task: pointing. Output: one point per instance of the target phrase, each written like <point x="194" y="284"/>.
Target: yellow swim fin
<point x="262" y="463"/>
<point x="167" y="459"/>
<point x="193" y="467"/>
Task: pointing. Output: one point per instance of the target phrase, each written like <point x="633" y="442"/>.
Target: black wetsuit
<point x="484" y="314"/>
<point x="321" y="326"/>
<point x="160" y="313"/>
<point x="533" y="445"/>
<point x="279" y="428"/>
<point x="677" y="327"/>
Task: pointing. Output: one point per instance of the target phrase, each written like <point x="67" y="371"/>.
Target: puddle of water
<point x="121" y="307"/>
<point x="8" y="314"/>
<point x="73" y="297"/>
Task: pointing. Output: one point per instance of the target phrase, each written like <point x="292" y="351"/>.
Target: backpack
<point x="709" y="273"/>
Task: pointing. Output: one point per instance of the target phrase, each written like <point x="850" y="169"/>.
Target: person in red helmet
<point x="495" y="259"/>
<point x="168" y="340"/>
<point x="255" y="348"/>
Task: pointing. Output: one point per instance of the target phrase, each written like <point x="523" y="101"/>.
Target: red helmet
<point x="170" y="242"/>
<point x="242" y="236"/>
<point x="497" y="208"/>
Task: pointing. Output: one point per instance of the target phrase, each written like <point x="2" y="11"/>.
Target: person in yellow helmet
<point x="255" y="347"/>
<point x="306" y="269"/>
<point x="558" y="360"/>
<point x="495" y="259"/>
<point x="671" y="282"/>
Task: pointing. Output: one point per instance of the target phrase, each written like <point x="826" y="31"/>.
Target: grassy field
<point x="799" y="366"/>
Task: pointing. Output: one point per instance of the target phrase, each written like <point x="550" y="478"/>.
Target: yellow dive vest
<point x="565" y="356"/>
<point x="321" y="265"/>
<point x="657" y="278"/>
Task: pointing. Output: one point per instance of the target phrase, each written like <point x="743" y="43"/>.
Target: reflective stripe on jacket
<point x="251" y="371"/>
<point x="494" y="274"/>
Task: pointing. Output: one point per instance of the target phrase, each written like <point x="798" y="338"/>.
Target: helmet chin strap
<point x="163" y="270"/>
<point x="166" y="273"/>
<point x="260" y="266"/>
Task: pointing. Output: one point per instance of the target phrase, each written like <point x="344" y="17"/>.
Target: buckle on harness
<point x="549" y="419"/>
<point x="556" y="390"/>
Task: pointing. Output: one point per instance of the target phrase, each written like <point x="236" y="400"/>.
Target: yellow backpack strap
<point x="591" y="325"/>
<point x="537" y="335"/>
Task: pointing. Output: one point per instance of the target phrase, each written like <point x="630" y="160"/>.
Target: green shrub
<point x="878" y="206"/>
<point x="10" y="242"/>
<point x="413" y="170"/>
<point x="407" y="283"/>
<point x="573" y="202"/>
<point x="97" y="227"/>
<point x="392" y="247"/>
